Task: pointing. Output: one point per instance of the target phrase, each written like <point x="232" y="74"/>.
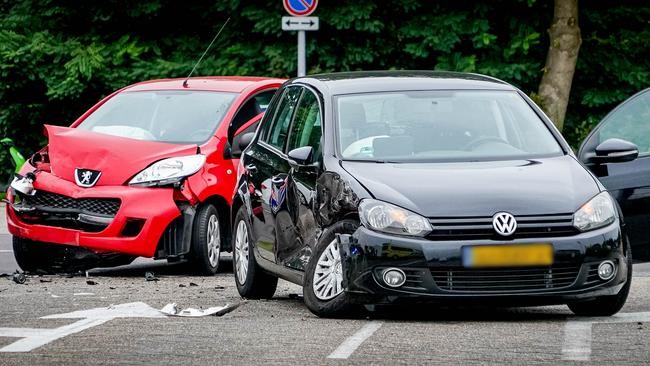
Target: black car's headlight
<point x="168" y="171"/>
<point x="597" y="212"/>
<point x="384" y="217"/>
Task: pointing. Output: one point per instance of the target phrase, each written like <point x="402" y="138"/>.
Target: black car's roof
<point x="370" y="81"/>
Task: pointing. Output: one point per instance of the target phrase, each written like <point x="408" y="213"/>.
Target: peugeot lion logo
<point x="504" y="223"/>
<point x="86" y="177"/>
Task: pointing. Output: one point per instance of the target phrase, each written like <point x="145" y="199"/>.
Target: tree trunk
<point x="561" y="60"/>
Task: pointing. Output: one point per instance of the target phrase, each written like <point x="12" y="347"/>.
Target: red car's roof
<point x="235" y="84"/>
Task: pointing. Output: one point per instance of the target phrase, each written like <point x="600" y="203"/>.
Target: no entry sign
<point x="300" y="8"/>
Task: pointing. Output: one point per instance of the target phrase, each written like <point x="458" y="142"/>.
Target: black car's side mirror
<point x="240" y="142"/>
<point x="614" y="151"/>
<point x="301" y="155"/>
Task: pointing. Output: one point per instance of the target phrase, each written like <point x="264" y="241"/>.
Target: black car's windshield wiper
<point x="373" y="161"/>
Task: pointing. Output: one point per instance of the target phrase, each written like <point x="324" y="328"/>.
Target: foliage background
<point x="57" y="58"/>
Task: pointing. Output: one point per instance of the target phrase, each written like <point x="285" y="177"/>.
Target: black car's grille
<point x="47" y="201"/>
<point x="481" y="227"/>
<point x="501" y="280"/>
<point x="414" y="279"/>
<point x="592" y="274"/>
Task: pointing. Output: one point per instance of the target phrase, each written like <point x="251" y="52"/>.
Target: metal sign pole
<point x="301" y="53"/>
<point x="300" y="21"/>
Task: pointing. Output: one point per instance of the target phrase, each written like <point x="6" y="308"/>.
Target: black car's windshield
<point x="423" y="126"/>
<point x="167" y="116"/>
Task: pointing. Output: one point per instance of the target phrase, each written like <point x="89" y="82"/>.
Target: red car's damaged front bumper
<point x="135" y="229"/>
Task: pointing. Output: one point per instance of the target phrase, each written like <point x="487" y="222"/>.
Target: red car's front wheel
<point x="206" y="240"/>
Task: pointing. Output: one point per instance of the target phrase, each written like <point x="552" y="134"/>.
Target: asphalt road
<point x="282" y="330"/>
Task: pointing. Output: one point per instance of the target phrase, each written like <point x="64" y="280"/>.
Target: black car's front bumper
<point x="435" y="272"/>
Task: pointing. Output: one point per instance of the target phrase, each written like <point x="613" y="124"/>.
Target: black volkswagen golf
<point x="383" y="187"/>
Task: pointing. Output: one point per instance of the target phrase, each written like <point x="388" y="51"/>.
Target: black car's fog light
<point x="393" y="277"/>
<point x="606" y="270"/>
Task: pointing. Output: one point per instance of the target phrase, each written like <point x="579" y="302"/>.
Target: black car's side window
<point x="306" y="128"/>
<point x="277" y="134"/>
<point x="630" y="122"/>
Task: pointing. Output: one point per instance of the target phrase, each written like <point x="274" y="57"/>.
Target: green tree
<point x="58" y="58"/>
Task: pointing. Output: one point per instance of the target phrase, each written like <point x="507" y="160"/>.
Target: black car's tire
<point x="605" y="305"/>
<point x="333" y="303"/>
<point x="205" y="250"/>
<point x="251" y="280"/>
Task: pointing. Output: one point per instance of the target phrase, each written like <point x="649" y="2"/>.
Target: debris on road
<point x="91" y="282"/>
<point x="150" y="276"/>
<point x="173" y="310"/>
<point x="181" y="285"/>
<point x="19" y="278"/>
<point x="43" y="280"/>
<point x="192" y="284"/>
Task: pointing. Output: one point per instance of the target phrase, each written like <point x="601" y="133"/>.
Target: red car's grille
<point x="47" y="201"/>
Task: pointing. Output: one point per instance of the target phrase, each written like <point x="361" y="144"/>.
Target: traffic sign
<point x="299" y="23"/>
<point x="300" y="8"/>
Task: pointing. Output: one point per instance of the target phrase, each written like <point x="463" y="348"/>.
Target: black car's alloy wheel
<point x="251" y="280"/>
<point x="322" y="288"/>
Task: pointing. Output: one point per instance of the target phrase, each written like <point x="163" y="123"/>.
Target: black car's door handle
<point x="251" y="168"/>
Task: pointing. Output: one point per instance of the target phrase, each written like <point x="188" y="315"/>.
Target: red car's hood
<point x="117" y="158"/>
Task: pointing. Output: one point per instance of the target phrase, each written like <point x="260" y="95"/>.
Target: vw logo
<point x="504" y="223"/>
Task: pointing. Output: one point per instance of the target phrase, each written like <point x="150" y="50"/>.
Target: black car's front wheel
<point x="251" y="280"/>
<point x="323" y="284"/>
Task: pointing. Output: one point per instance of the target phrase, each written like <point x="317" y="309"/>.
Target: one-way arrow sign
<point x="299" y="23"/>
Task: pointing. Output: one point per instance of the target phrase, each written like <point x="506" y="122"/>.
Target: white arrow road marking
<point x="33" y="338"/>
<point x="577" y="333"/>
<point x="347" y="348"/>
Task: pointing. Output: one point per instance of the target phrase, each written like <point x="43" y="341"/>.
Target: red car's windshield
<point x="166" y="116"/>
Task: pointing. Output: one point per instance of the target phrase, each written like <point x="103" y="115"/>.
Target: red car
<point x="148" y="171"/>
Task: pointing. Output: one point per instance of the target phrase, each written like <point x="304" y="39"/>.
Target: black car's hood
<point x="523" y="187"/>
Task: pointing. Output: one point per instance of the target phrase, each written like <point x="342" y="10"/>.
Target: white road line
<point x="577" y="333"/>
<point x="20" y="332"/>
<point x="577" y="341"/>
<point x="347" y="348"/>
<point x="6" y="251"/>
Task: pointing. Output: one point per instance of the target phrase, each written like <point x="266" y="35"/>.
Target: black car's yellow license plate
<point x="517" y="255"/>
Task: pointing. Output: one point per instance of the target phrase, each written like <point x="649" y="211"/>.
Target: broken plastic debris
<point x="19" y="278"/>
<point x="173" y="310"/>
<point x="150" y="276"/>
